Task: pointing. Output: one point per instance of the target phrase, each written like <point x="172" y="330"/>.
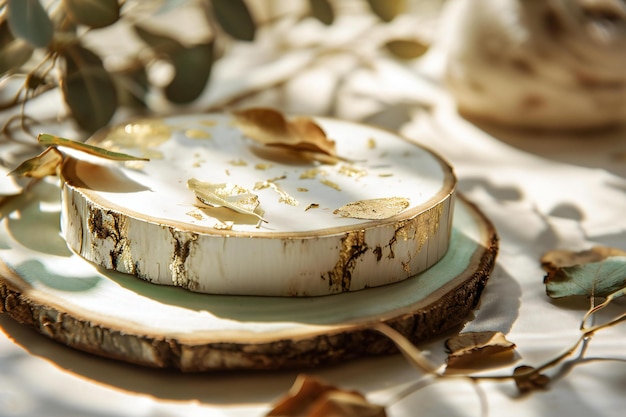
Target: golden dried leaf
<point x="309" y="397"/>
<point x="374" y="209"/>
<point x="557" y="259"/>
<point x="526" y="379"/>
<point x="51" y="140"/>
<point x="269" y="127"/>
<point x="42" y="165"/>
<point x="226" y="195"/>
<point x="467" y="350"/>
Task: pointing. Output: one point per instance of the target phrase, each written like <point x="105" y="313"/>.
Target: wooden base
<point x="45" y="286"/>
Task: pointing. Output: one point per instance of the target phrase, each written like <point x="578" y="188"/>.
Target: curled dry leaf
<point x="226" y="195"/>
<point x="467" y="350"/>
<point x="309" y="397"/>
<point x="51" y="140"/>
<point x="269" y="127"/>
<point x="374" y="209"/>
<point x="597" y="272"/>
<point x="527" y="379"/>
<point x="42" y="165"/>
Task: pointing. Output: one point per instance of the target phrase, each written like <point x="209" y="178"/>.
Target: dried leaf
<point x="374" y="209"/>
<point x="93" y="13"/>
<point x="598" y="272"/>
<point x="88" y="88"/>
<point x="406" y="48"/>
<point x="226" y="195"/>
<point x="526" y="379"/>
<point x="51" y="140"/>
<point x="387" y="10"/>
<point x="323" y="11"/>
<point x="477" y="348"/>
<point x="28" y="20"/>
<point x="270" y="127"/>
<point x="309" y="397"/>
<point x="234" y="18"/>
<point x="43" y="165"/>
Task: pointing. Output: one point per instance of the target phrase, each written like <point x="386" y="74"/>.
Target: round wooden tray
<point x="49" y="288"/>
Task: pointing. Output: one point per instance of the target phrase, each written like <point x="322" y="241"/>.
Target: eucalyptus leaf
<point x="13" y="52"/>
<point x="51" y="140"/>
<point x="406" y="48"/>
<point x="160" y="43"/>
<point x="93" y="13"/>
<point x="29" y="21"/>
<point x="323" y="11"/>
<point x="594" y="279"/>
<point x="234" y="18"/>
<point x="192" y="68"/>
<point x="387" y="10"/>
<point x="88" y="88"/>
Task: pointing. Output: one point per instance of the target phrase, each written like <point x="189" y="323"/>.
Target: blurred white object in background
<point x="547" y="64"/>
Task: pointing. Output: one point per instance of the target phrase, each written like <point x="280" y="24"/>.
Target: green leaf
<point x="42" y="165"/>
<point x="13" y="52"/>
<point x="93" y="13"/>
<point x="386" y="10"/>
<point x="29" y="21"/>
<point x="192" y="71"/>
<point x="406" y="48"/>
<point x="88" y="88"/>
<point x="51" y="140"/>
<point x="323" y="11"/>
<point x="234" y="17"/>
<point x="594" y="279"/>
<point x="161" y="44"/>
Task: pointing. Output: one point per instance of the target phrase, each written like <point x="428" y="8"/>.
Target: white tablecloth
<point x="541" y="190"/>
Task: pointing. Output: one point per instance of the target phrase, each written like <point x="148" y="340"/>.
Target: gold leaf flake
<point x="330" y="184"/>
<point x="263" y="167"/>
<point x="195" y="214"/>
<point x="374" y="209"/>
<point x="284" y="197"/>
<point x="197" y="134"/>
<point x="227" y="225"/>
<point x="371" y="143"/>
<point x="208" y="123"/>
<point x="385" y="175"/>
<point x="141" y="135"/>
<point x="312" y="206"/>
<point x="270" y="127"/>
<point x="302" y="189"/>
<point x="352" y="171"/>
<point x="226" y="195"/>
<point x="238" y="162"/>
<point x="310" y="174"/>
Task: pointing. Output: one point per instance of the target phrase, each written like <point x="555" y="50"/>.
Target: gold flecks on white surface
<point x="238" y="162"/>
<point x="141" y="136"/>
<point x="330" y="184"/>
<point x="385" y="175"/>
<point x="227" y="225"/>
<point x="208" y="123"/>
<point x="227" y="195"/>
<point x="283" y="196"/>
<point x="312" y="206"/>
<point x="310" y="174"/>
<point x="371" y="143"/>
<point x="197" y="134"/>
<point x="302" y="189"/>
<point x="263" y="167"/>
<point x="352" y="171"/>
<point x="374" y="209"/>
<point x="195" y="214"/>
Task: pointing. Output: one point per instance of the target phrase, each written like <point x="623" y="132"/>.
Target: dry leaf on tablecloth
<point x="309" y="397"/>
<point x="270" y="127"/>
<point x="526" y="379"/>
<point x="478" y="349"/>
<point x="597" y="272"/>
